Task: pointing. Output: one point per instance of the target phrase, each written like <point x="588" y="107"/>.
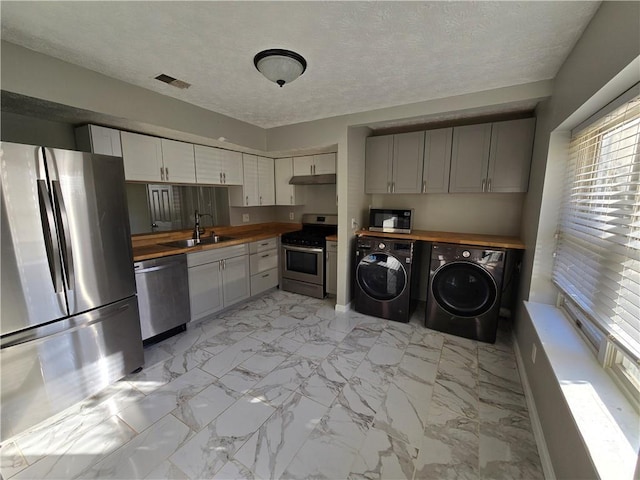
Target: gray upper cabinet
<point x="470" y="158"/>
<point x="394" y="163"/>
<point x="510" y="157"/>
<point x="492" y="157"/>
<point x="437" y="160"/>
<point x="379" y="158"/>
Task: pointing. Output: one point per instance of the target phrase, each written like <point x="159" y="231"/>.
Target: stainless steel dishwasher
<point x="163" y="296"/>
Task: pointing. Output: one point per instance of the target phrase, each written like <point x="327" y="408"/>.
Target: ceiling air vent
<point x="174" y="82"/>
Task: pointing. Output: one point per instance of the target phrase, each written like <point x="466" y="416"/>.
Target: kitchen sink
<point x="191" y="242"/>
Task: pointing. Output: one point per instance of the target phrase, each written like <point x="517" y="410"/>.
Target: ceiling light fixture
<point x="280" y="66"/>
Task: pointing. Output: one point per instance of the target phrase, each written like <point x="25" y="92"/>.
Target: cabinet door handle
<point x="220" y="177"/>
<point x="484" y="184"/>
<point x="388" y="187"/>
<point x="488" y="185"/>
<point x="162" y="173"/>
<point x="166" y="173"/>
<point x="224" y="177"/>
<point x="291" y="199"/>
<point x="224" y="264"/>
<point x="424" y="186"/>
<point x="260" y="199"/>
<point x="247" y="200"/>
<point x="393" y="187"/>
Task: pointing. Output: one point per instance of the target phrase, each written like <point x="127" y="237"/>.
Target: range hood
<point x="324" y="179"/>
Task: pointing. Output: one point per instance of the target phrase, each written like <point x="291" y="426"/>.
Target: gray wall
<point x="32" y="74"/>
<point x="588" y="79"/>
<point x="35" y="131"/>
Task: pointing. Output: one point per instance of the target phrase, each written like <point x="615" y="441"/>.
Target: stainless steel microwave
<point x="390" y="220"/>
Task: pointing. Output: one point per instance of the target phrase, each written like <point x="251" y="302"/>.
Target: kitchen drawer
<point x="216" y="254"/>
<point x="264" y="281"/>
<point x="263" y="261"/>
<point x="263" y="245"/>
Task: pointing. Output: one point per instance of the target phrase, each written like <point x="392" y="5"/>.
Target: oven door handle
<point x="303" y="249"/>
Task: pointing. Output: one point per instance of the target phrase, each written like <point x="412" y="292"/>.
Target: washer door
<point x="464" y="289"/>
<point x="381" y="276"/>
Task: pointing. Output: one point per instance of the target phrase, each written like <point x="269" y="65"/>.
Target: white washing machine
<point x="464" y="290"/>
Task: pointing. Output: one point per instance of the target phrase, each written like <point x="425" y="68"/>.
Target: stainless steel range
<point x="303" y="255"/>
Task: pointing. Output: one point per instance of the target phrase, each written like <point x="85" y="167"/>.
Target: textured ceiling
<point x="361" y="55"/>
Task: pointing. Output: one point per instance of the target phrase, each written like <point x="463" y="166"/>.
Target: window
<point x="597" y="264"/>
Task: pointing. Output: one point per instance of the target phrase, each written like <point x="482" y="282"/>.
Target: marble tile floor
<point x="284" y="387"/>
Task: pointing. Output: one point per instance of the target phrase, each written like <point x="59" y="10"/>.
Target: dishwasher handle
<point x="140" y="268"/>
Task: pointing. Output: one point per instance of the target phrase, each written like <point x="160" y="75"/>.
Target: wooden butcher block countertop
<point x="476" y="239"/>
<point x="149" y="245"/>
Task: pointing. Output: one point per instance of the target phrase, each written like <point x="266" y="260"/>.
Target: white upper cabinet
<point x="178" y="161"/>
<point x="101" y="140"/>
<point x="153" y="159"/>
<point x="437" y="160"/>
<point x="217" y="166"/>
<point x="492" y="157"/>
<point x="258" y="183"/>
<point x="394" y="163"/>
<point x="286" y="194"/>
<point x="314" y="164"/>
<point x="142" y="156"/>
<point x="266" y="181"/>
<point x="510" y="157"/>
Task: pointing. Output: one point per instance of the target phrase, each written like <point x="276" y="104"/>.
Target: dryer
<point x="463" y="296"/>
<point x="383" y="280"/>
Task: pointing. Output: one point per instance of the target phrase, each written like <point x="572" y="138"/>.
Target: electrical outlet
<point x="245" y="217"/>
<point x="534" y="350"/>
<point x="354" y="224"/>
<point x="291" y="216"/>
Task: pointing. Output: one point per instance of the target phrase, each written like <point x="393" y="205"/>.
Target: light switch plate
<point x="245" y="217"/>
<point x="291" y="216"/>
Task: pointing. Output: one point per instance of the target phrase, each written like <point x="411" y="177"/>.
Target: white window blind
<point x="597" y="263"/>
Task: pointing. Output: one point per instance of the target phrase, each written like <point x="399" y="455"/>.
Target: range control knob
<point x="381" y="246"/>
<point x="466" y="253"/>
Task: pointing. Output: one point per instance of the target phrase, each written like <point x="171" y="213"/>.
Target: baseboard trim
<point x="343" y="308"/>
<point x="536" y="426"/>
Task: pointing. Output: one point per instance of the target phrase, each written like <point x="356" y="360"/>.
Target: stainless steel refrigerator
<point x="69" y="322"/>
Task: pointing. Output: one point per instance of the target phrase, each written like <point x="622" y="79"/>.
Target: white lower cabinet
<point x="218" y="278"/>
<point x="263" y="265"/>
<point x="332" y="267"/>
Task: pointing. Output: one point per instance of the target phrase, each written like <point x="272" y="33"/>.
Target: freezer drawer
<point x="47" y="369"/>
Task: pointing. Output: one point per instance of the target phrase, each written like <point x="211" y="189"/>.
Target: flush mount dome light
<point x="280" y="66"/>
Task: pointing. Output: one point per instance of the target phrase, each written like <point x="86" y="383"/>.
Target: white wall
<point x="586" y="81"/>
<point x="130" y="107"/>
<point x="355" y="206"/>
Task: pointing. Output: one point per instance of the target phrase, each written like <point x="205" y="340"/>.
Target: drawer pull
<point x="265" y="275"/>
<point x="265" y="255"/>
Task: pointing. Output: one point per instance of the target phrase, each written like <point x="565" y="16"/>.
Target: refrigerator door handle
<point x="65" y="234"/>
<point x="50" y="239"/>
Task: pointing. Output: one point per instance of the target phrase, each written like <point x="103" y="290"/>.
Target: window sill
<point x="608" y="424"/>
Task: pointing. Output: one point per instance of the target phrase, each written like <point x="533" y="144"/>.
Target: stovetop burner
<point x="315" y="229"/>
